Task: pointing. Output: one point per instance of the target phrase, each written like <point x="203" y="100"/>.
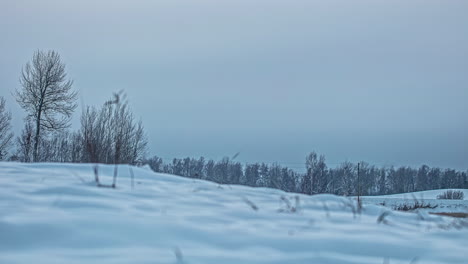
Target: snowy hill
<point x="54" y="213"/>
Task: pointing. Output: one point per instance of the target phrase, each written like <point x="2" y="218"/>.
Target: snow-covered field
<point x="426" y="197"/>
<point x="54" y="213"/>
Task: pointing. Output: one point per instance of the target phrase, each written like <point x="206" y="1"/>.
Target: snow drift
<point x="54" y="213"/>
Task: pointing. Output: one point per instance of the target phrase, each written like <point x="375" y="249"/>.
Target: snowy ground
<point x="54" y="213"/>
<point x="426" y="197"/>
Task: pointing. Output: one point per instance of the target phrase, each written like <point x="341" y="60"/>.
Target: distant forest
<point x="346" y="179"/>
<point x="110" y="134"/>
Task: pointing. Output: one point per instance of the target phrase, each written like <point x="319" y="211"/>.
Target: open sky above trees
<point x="380" y="81"/>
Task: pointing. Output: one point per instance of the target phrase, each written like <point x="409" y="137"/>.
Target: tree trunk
<point x="36" y="138"/>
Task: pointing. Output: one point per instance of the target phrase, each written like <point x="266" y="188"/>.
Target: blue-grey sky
<point x="380" y="81"/>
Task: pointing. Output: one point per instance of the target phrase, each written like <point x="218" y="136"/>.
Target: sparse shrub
<point x="110" y="134"/>
<point x="413" y="206"/>
<point x="382" y="216"/>
<point x="251" y="204"/>
<point x="451" y="195"/>
<point x="289" y="208"/>
<point x="355" y="208"/>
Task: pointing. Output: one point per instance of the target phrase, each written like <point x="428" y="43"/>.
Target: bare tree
<point x="46" y="94"/>
<point x="5" y="126"/>
<point x="111" y="135"/>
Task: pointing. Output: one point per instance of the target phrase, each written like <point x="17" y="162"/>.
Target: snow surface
<point x="432" y="194"/>
<point x="54" y="213"/>
<point x="426" y="197"/>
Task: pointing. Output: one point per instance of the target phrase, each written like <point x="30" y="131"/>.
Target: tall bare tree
<point x="46" y="94"/>
<point x="5" y="126"/>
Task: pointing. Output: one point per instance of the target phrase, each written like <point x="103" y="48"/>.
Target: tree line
<point x="345" y="179"/>
<point x="110" y="134"/>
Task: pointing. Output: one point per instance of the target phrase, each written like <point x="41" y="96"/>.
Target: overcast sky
<point x="380" y="81"/>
